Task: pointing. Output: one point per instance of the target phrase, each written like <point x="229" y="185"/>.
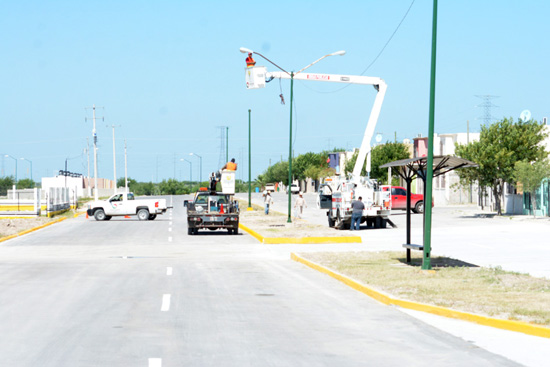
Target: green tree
<point x="530" y="175"/>
<point x="500" y="146"/>
<point x="6" y="183"/>
<point x="381" y="154"/>
<point x="26" y="183"/>
<point x="121" y="182"/>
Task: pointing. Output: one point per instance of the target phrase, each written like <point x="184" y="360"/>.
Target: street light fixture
<point x="28" y="160"/>
<point x="15" y="159"/>
<point x="200" y="171"/>
<point x="292" y="74"/>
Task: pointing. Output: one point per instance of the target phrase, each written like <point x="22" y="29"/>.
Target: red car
<point x="399" y="199"/>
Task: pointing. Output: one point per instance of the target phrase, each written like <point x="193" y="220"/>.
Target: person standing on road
<point x="356" y="214"/>
<point x="300" y="204"/>
<point x="267" y="201"/>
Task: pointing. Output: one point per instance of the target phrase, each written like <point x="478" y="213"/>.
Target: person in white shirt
<point x="300" y="204"/>
<point x="268" y="200"/>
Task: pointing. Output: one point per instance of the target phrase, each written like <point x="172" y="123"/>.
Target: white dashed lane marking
<point x="165" y="303"/>
<point x="169" y="271"/>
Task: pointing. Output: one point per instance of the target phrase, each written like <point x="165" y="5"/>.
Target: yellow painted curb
<point x="78" y="214"/>
<point x="251" y="232"/>
<point x="311" y="240"/>
<point x="31" y="230"/>
<point x="299" y="240"/>
<point x="517" y="326"/>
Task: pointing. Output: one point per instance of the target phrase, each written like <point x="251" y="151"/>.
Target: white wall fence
<point x="35" y="202"/>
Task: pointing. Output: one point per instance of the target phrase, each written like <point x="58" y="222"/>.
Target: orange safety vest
<point x="231" y="166"/>
<point x="250" y="62"/>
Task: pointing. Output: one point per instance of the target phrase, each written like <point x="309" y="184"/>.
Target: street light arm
<point x="245" y="50"/>
<point x="339" y="53"/>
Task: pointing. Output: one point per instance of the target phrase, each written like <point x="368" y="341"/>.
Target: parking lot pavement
<point x="517" y="243"/>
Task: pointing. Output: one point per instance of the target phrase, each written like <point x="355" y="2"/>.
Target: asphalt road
<point x="131" y="293"/>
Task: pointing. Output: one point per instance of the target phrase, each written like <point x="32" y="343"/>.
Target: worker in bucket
<point x="230" y="166"/>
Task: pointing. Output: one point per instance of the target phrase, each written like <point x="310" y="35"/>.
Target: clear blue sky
<point x="170" y="72"/>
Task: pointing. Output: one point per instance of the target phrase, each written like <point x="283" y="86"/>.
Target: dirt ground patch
<point x="457" y="285"/>
<point x="9" y="226"/>
<point x="275" y="224"/>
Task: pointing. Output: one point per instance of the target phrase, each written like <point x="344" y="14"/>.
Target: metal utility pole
<point x="88" y="155"/>
<point x="249" y="163"/>
<point x="426" y="260"/>
<point x="114" y="154"/>
<point x="94" y="134"/>
<point x="125" y="167"/>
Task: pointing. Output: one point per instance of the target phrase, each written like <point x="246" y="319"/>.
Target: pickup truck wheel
<point x="229" y="231"/>
<point x="339" y="222"/>
<point x="190" y="231"/>
<point x="143" y="214"/>
<point x="108" y="217"/>
<point x="330" y="220"/>
<point x="236" y="230"/>
<point x="99" y="214"/>
<point x="419" y="207"/>
<point x="152" y="216"/>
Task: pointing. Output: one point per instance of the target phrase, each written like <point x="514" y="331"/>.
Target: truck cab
<point x="399" y="199"/>
<point x="125" y="203"/>
<point x="212" y="210"/>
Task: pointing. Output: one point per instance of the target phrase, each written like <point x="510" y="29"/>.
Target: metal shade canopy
<point x="411" y="167"/>
<point x="441" y="165"/>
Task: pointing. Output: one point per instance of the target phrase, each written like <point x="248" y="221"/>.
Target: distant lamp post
<point x="15" y="159"/>
<point x="190" y="170"/>
<point x="292" y="74"/>
<point x="28" y="160"/>
<point x="200" y="169"/>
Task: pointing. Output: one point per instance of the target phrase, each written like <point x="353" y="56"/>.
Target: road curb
<point x="386" y="299"/>
<point x="31" y="230"/>
<point x="299" y="240"/>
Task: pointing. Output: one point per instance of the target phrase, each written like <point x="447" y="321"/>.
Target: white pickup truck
<point x="126" y="204"/>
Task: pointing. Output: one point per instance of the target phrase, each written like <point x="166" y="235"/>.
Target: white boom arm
<point x="378" y="83"/>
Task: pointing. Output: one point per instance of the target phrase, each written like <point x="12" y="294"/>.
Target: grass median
<point x="456" y="285"/>
<point x="275" y="224"/>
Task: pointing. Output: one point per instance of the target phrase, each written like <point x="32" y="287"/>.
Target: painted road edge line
<point x="155" y="362"/>
<point x="299" y="240"/>
<point x="386" y="299"/>
<point x="31" y="230"/>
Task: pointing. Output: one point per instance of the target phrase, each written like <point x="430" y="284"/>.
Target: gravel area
<point x="9" y="226"/>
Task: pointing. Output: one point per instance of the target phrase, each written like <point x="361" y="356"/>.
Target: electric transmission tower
<point x="487" y="105"/>
<point x="222" y="159"/>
